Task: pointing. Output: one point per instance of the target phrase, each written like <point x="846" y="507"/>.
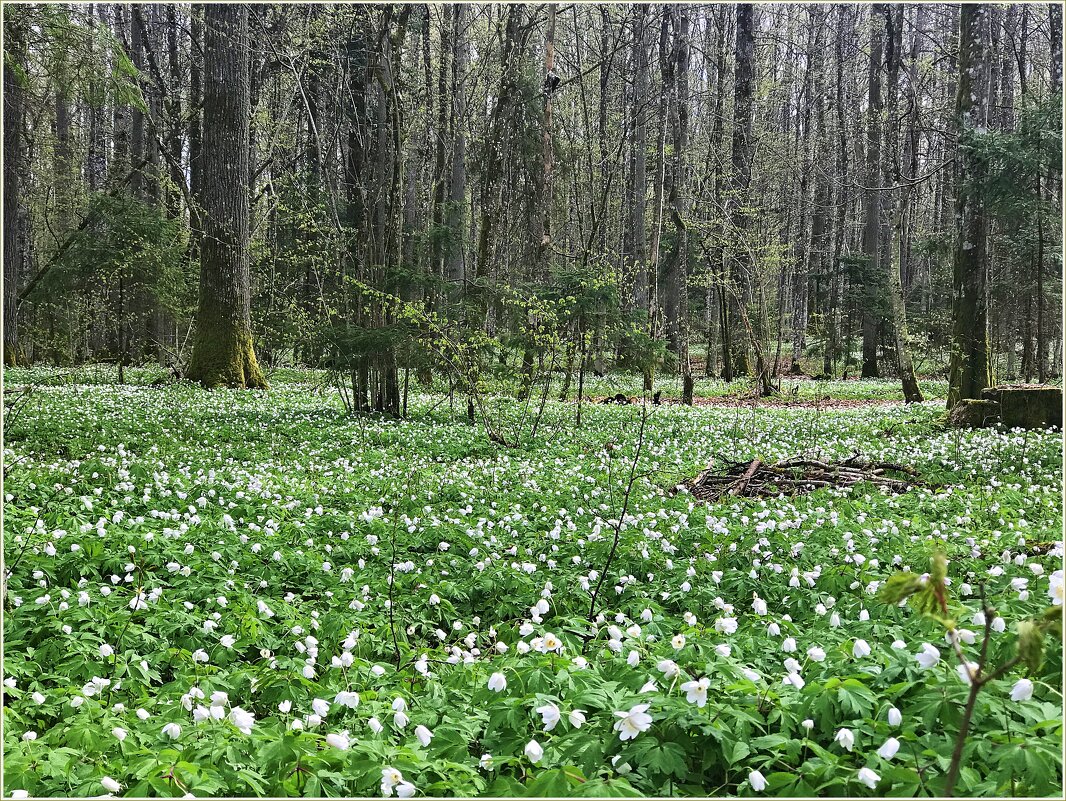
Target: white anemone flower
<point x="633" y="722"/>
<point x="550" y="716"/>
<point x="696" y="691"/>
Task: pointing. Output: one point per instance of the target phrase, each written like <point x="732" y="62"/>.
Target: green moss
<point x="223" y="356"/>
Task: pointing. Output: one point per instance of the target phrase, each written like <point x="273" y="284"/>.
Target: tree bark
<point x="969" y="369"/>
<point x="717" y="157"/>
<point x="547" y="188"/>
<point x="896" y="205"/>
<point x="741" y="269"/>
<point x="222" y="351"/>
<point x="494" y="158"/>
<point x="659" y="185"/>
<point x="456" y="213"/>
<point x="636" y="239"/>
<point x="14" y="123"/>
<point x="841" y="199"/>
<point x="675" y="277"/>
<point x="871" y="317"/>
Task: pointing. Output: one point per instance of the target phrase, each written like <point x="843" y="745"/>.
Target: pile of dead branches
<point x="758" y="479"/>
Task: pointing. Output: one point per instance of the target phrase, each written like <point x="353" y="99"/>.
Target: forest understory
<point x="251" y="593"/>
<point x="532" y="399"/>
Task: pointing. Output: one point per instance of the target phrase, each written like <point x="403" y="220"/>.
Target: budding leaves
<point x="1031" y="645"/>
<point x="927" y="595"/>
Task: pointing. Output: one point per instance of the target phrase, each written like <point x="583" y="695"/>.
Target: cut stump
<point x="1027" y="406"/>
<point x="971" y="413"/>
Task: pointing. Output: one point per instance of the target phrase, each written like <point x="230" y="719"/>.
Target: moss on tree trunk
<point x="970" y="367"/>
<point x="223" y="356"/>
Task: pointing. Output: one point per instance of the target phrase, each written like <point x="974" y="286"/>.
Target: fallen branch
<point x="757" y="479"/>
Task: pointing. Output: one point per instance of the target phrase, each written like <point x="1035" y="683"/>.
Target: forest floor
<point x="247" y="593"/>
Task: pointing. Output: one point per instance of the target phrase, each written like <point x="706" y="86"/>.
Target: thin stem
<point x="625" y="508"/>
<point x="392" y="584"/>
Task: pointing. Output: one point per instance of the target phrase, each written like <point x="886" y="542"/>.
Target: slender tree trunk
<point x="896" y="205"/>
<point x="437" y="239"/>
<point x="742" y="269"/>
<point x="495" y="157"/>
<point x="717" y="158"/>
<point x="1041" y="302"/>
<point x="671" y="282"/>
<point x="547" y="187"/>
<point x="636" y="244"/>
<point x="871" y="316"/>
<point x="1055" y="35"/>
<point x="841" y="200"/>
<point x="196" y="98"/>
<point x="455" y="214"/>
<point x="659" y="187"/>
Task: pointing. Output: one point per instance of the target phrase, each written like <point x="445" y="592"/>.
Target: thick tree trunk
<point x="14" y="113"/>
<point x="222" y="351"/>
<point x="969" y="370"/>
<point x="675" y="278"/>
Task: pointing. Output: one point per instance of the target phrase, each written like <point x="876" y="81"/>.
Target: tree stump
<point x="1027" y="405"/>
<point x="969" y="413"/>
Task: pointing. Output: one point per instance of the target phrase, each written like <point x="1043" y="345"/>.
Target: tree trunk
<point x="437" y="238"/>
<point x="723" y="264"/>
<point x="671" y="283"/>
<point x="14" y="121"/>
<point x="1055" y="34"/>
<point x="659" y="186"/>
<point x="896" y="206"/>
<point x="841" y="199"/>
<point x="742" y="269"/>
<point x="495" y="157"/>
<point x="675" y="278"/>
<point x="969" y="370"/>
<point x="455" y="215"/>
<point x="636" y="240"/>
<point x="222" y="351"/>
<point x="871" y="316"/>
<point x="547" y="189"/>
